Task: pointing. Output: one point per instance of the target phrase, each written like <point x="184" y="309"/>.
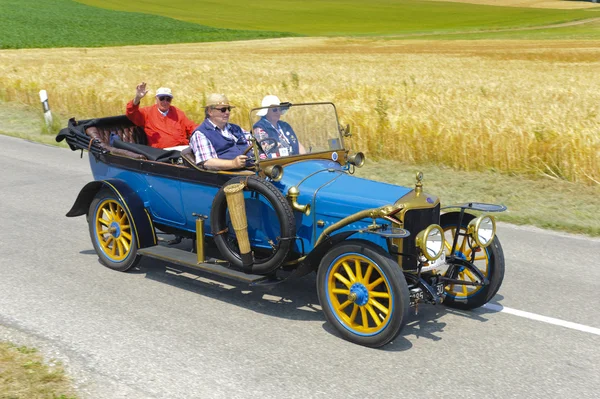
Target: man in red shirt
<point x="166" y="126"/>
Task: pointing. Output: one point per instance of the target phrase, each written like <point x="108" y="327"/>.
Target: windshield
<point x="294" y="129"/>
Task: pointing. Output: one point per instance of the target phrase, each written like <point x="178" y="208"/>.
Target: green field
<point x="65" y="23"/>
<point x="347" y="17"/>
<point x="95" y="23"/>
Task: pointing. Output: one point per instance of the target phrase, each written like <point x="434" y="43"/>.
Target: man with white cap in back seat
<point x="166" y="126"/>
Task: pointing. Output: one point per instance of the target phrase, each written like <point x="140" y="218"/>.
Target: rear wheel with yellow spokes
<point x="363" y="292"/>
<point x="489" y="260"/>
<point x="112" y="231"/>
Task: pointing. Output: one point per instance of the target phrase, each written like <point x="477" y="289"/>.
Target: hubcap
<point x="360" y="292"/>
<point x="115" y="229"/>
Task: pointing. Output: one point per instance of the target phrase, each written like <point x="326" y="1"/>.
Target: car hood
<point x="333" y="192"/>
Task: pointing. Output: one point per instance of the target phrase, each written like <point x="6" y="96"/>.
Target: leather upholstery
<point x="188" y="156"/>
<point x="129" y="134"/>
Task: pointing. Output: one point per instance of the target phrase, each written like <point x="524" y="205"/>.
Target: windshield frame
<point x="327" y="154"/>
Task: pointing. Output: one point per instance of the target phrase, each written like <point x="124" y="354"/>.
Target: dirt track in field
<point x="553" y="26"/>
<point x="555" y="4"/>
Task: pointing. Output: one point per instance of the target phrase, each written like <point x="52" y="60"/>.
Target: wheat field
<point x="523" y="107"/>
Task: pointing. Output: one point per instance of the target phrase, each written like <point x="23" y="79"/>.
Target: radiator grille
<point x="416" y="220"/>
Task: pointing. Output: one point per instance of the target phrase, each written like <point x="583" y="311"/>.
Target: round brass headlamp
<point x="275" y="172"/>
<point x="357" y="159"/>
<point x="482" y="230"/>
<point x="431" y="242"/>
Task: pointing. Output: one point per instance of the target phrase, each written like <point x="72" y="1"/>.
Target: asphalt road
<point x="157" y="333"/>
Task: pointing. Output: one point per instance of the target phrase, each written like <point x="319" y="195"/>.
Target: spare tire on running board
<point x="272" y="201"/>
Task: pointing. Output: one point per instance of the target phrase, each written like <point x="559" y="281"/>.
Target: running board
<point x="189" y="259"/>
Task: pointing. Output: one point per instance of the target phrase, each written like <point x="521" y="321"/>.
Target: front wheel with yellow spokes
<point x="363" y="292"/>
<point x="112" y="231"/>
<point x="489" y="261"/>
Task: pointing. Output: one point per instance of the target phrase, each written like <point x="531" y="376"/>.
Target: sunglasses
<point x="224" y="109"/>
<point x="164" y="98"/>
<point x="274" y="109"/>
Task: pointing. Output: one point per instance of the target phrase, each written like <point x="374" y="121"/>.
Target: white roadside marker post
<point x="46" y="107"/>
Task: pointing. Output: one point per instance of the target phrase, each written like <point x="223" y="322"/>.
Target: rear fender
<point x="142" y="222"/>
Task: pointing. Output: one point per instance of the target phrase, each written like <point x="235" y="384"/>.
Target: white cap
<point x="268" y="101"/>
<point x="164" y="91"/>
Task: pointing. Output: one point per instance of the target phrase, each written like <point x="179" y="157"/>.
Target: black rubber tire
<point x="121" y="261"/>
<point x="384" y="266"/>
<point x="283" y="210"/>
<point x="495" y="272"/>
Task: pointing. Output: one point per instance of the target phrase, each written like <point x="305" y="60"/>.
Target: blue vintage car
<point x="377" y="248"/>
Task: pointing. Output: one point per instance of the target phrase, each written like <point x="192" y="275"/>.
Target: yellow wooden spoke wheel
<point x="363" y="292"/>
<point x="112" y="231"/>
<point x="489" y="260"/>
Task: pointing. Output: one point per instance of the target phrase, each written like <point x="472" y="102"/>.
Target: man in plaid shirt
<point x="216" y="143"/>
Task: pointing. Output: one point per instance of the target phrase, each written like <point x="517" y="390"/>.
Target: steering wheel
<point x="267" y="140"/>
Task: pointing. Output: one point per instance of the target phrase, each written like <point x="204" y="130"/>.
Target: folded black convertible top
<point x="77" y="139"/>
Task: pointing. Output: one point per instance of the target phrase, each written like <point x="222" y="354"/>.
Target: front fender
<point x="142" y="222"/>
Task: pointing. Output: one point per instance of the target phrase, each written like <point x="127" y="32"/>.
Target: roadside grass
<point x="543" y="202"/>
<point x="348" y="17"/>
<point x="25" y="122"/>
<point x="25" y="375"/>
<point x="65" y="23"/>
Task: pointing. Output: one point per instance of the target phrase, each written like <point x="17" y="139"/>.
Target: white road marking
<point x="544" y="319"/>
